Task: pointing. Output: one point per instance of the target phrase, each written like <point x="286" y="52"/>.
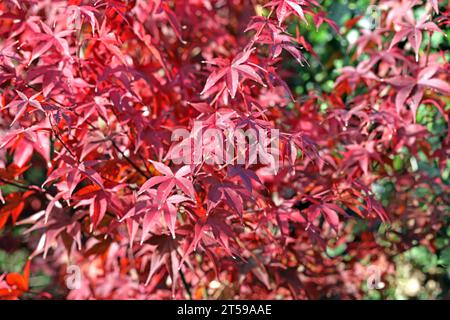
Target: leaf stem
<point x="186" y="285"/>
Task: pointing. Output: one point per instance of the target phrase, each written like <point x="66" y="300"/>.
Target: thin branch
<point x="24" y="187"/>
<point x="60" y="140"/>
<point x="133" y="164"/>
<point x="428" y="48"/>
<point x="186" y="285"/>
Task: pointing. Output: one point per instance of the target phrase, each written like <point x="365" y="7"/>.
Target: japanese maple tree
<point x="91" y="93"/>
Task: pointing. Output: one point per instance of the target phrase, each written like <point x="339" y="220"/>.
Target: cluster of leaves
<point x="92" y="91"/>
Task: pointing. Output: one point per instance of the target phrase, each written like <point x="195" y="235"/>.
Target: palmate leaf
<point x="94" y="97"/>
<point x="414" y="88"/>
<point x="231" y="73"/>
<point x="413" y="31"/>
<point x="168" y="181"/>
<point x="285" y="8"/>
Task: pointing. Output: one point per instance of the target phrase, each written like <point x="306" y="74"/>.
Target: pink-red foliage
<point x="91" y="91"/>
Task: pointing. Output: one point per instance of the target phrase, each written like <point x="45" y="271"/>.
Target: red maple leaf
<point x="231" y="73"/>
<point x="168" y="181"/>
<point x="414" y="87"/>
<point x="413" y="31"/>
